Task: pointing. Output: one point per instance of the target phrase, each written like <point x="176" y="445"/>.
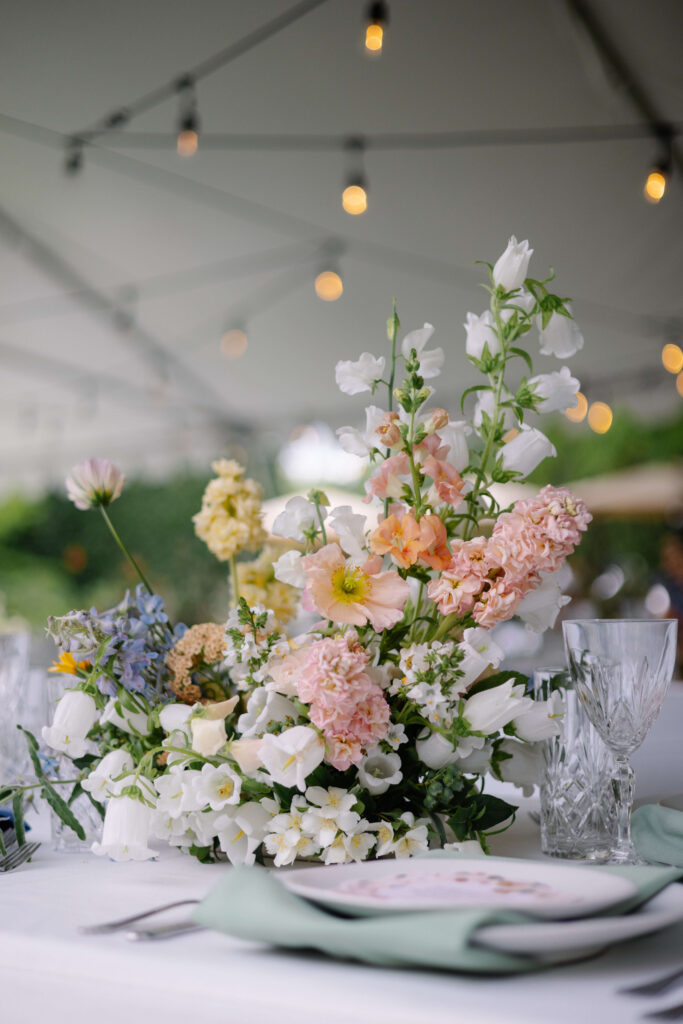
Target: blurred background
<point x="182" y="262"/>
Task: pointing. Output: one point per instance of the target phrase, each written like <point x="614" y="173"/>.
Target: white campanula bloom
<point x="207" y="726"/>
<point x="485" y="404"/>
<point x="217" y="787"/>
<point x="353" y="377"/>
<point x="100" y="782"/>
<point x="523" y="301"/>
<point x="298" y="516"/>
<point x="560" y="337"/>
<point x="431" y="360"/>
<point x="435" y="750"/>
<point x="511" y="267"/>
<point x="539" y="609"/>
<point x="523" y="767"/>
<point x="174" y="718"/>
<point x="481" y="331"/>
<point x="542" y="720"/>
<point x="377" y="771"/>
<point x="525" y="451"/>
<point x="361" y="444"/>
<point x="415" y="840"/>
<point x="291" y="756"/>
<point x="474" y="760"/>
<point x="556" y="391"/>
<point x="479" y="650"/>
<point x="350" y="529"/>
<point x="455" y="435"/>
<point x="287" y="569"/>
<point x="263" y="707"/>
<point x="241" y="831"/>
<point x="489" y="710"/>
<point x="94" y="483"/>
<point x="75" y="716"/>
<point x="128" y="721"/>
<point x="177" y="793"/>
<point x="127" y="824"/>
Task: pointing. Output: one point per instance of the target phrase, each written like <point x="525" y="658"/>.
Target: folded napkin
<point x="250" y="903"/>
<point x="657" y="834"/>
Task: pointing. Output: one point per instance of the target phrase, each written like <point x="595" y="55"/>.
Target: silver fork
<point x="18" y="856"/>
<point x="106" y="927"/>
<point x="164" y="931"/>
<point x="671" y="1013"/>
<point x="656" y="987"/>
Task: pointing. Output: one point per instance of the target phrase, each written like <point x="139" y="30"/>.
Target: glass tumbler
<point x="578" y="810"/>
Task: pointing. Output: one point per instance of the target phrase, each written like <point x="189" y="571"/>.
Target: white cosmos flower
<point x="542" y="720"/>
<point x="75" y="716"/>
<point x="100" y="781"/>
<point x="127" y="825"/>
<point x="354" y="377"/>
<point x="297" y="516"/>
<point x="561" y="336"/>
<point x="377" y="771"/>
<point x="94" y="483"/>
<point x="481" y="330"/>
<point x="525" y="451"/>
<point x="128" y="721"/>
<point x="350" y="529"/>
<point x="361" y="444"/>
<point x="511" y="267"/>
<point x="479" y="650"/>
<point x="291" y="756"/>
<point x="540" y="607"/>
<point x="455" y="435"/>
<point x="287" y="569"/>
<point x="489" y="710"/>
<point x="217" y="787"/>
<point x="556" y="390"/>
<point x="263" y="707"/>
<point x="430" y="361"/>
<point x="522" y="768"/>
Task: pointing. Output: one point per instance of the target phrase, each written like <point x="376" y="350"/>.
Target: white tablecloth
<point x="48" y="971"/>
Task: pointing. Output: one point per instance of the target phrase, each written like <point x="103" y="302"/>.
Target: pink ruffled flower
<point x="448" y="483"/>
<point x="388" y="481"/>
<point x="343" y="751"/>
<point x="353" y="594"/>
<point x="496" y="604"/>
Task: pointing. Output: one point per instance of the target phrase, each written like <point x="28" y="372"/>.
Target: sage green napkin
<point x="657" y="834"/>
<point x="250" y="903"/>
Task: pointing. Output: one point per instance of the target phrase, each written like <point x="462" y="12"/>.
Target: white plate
<point x="391" y="886"/>
<point x="572" y="939"/>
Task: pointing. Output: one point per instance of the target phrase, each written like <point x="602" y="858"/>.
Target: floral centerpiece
<point x="371" y="732"/>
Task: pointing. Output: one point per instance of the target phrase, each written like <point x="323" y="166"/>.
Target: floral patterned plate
<point x="392" y="886"/>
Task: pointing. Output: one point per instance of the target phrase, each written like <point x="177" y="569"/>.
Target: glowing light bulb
<point x="374" y="36"/>
<point x="328" y="286"/>
<point x="679" y="384"/>
<point x="578" y="413"/>
<point x="600" y="417"/>
<point x="355" y="199"/>
<point x="234" y="343"/>
<point x="375" y="21"/>
<point x="672" y="358"/>
<point x="188" y="142"/>
<point x="655" y="185"/>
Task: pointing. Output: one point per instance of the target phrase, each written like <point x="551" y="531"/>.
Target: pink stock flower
<point x="353" y="594"/>
<point x="448" y="483"/>
<point x="94" y="483"/>
<point x="496" y="603"/>
<point x="343" y="751"/>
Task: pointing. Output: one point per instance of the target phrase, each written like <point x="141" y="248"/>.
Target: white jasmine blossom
<point x="385" y="838"/>
<point x="353" y="377"/>
<point x="395" y="735"/>
<point x="359" y="844"/>
<point x="412" y="842"/>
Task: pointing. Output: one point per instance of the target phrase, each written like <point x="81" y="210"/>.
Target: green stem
<point x="125" y="550"/>
<point x="235" y="582"/>
<point x="394" y="335"/>
<point x="52" y="782"/>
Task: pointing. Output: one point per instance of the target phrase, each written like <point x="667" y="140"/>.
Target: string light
<point x="679" y="384"/>
<point x="672" y="358"/>
<point x="234" y="342"/>
<point x="658" y="176"/>
<point x="188" y="121"/>
<point x="329" y="286"/>
<point x="73" y="160"/>
<point x="578" y="413"/>
<point x="355" y="194"/>
<point x="600" y="417"/>
<point x="376" y="20"/>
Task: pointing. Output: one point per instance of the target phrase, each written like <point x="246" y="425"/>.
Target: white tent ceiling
<point x="192" y="244"/>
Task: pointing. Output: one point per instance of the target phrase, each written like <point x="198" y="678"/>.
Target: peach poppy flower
<point x="348" y="593"/>
<point x="433" y="547"/>
<point x="448" y="483"/>
<point x="398" y="536"/>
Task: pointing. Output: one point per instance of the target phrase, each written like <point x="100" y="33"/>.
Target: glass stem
<point x="622" y="785"/>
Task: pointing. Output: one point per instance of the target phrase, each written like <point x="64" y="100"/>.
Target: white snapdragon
<point x="511" y="267"/>
<point x="287" y="569"/>
<point x="431" y="360"/>
<point x="489" y="710"/>
<point x="556" y="390"/>
<point x="479" y="650"/>
<point x="481" y="331"/>
<point x="455" y="435"/>
<point x="127" y="824"/>
<point x="525" y="451"/>
<point x="378" y="771"/>
<point x="560" y="337"/>
<point x="540" y="607"/>
<point x="100" y="783"/>
<point x="297" y="517"/>
<point x="217" y="787"/>
<point x="350" y="529"/>
<point x="291" y="756"/>
<point x="542" y="720"/>
<point x="263" y="707"/>
<point x="128" y="721"/>
<point x="75" y="716"/>
<point x="353" y="377"/>
<point x="361" y="444"/>
<point x="523" y="765"/>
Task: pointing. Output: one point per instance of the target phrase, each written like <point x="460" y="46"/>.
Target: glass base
<point x="626" y="854"/>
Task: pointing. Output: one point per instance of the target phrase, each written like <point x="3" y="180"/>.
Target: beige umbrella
<point x="651" y="490"/>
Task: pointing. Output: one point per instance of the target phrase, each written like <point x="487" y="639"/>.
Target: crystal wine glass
<point x="621" y="669"/>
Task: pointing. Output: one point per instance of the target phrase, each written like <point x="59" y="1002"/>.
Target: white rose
<point x="481" y="330"/>
<point x="511" y="267"/>
<point x="525" y="451"/>
<point x="354" y="377"/>
<point x="561" y="337"/>
<point x="556" y="391"/>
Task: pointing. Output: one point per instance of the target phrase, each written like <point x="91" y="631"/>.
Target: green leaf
<point x="523" y="355"/>
<point x="32" y="744"/>
<point x="62" y="810"/>
<point x="492" y="811"/>
<point x="18" y="812"/>
<point x="3" y="848"/>
<point x="475" y="387"/>
<point x="496" y="680"/>
<point x="5" y="794"/>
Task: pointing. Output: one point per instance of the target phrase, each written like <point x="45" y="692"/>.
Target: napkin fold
<point x="657" y="834"/>
<point x="250" y="903"/>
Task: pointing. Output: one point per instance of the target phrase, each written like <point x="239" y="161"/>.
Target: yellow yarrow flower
<point x="257" y="585"/>
<point x="229" y="520"/>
